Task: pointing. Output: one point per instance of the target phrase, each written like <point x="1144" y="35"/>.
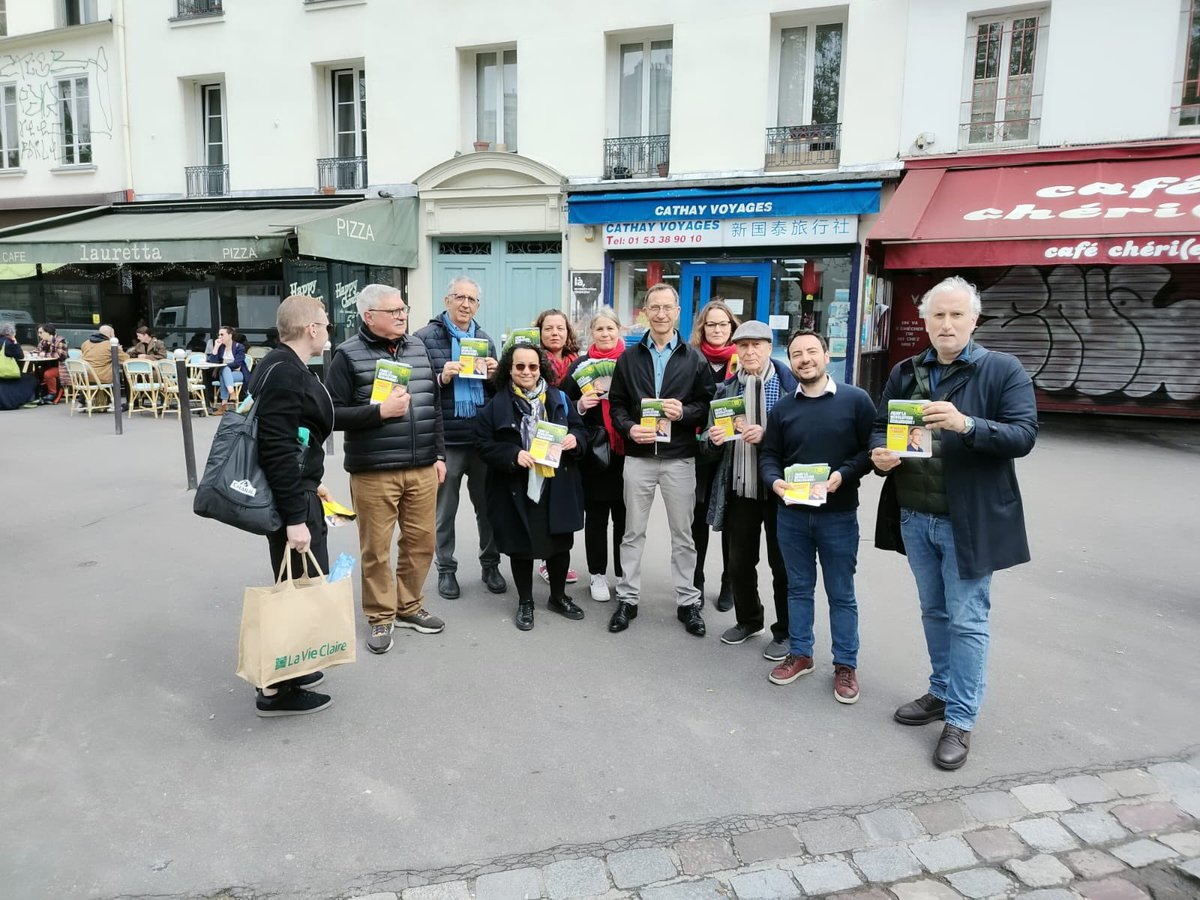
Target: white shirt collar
<point x="830" y="388"/>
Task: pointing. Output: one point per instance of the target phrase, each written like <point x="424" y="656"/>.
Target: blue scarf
<point x="468" y="392"/>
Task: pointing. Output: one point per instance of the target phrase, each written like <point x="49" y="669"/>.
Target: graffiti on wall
<point x="1120" y="332"/>
<point x="37" y="75"/>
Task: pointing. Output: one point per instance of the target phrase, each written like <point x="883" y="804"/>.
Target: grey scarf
<point x="745" y="456"/>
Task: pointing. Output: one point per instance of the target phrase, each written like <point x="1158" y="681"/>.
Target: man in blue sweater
<point x="823" y="422"/>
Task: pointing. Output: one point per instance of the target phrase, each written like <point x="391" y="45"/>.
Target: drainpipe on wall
<point x="123" y="74"/>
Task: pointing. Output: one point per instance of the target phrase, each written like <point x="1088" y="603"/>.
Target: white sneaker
<point x="544" y="572"/>
<point x="600" y="589"/>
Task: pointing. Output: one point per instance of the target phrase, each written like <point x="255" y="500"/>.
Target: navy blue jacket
<point x="981" y="478"/>
<point x="437" y="341"/>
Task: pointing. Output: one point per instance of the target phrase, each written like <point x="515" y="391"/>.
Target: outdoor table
<point x="32" y="360"/>
<point x="202" y="368"/>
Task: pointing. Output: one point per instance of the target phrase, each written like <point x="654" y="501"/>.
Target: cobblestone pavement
<point x="1130" y="833"/>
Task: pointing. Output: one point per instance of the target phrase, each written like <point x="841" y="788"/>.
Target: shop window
<point x="79" y="12"/>
<point x="10" y="145"/>
<point x="1187" y="114"/>
<point x="1005" y="66"/>
<point x="465" y="248"/>
<point x="525" y="248"/>
<point x="75" y="130"/>
<point x="631" y="280"/>
<point x="814" y="292"/>
<point x="495" y="99"/>
<point x="250" y="309"/>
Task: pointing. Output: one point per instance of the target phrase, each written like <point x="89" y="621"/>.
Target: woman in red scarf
<point x="558" y="340"/>
<point x="603" y="488"/>
<point x="713" y="337"/>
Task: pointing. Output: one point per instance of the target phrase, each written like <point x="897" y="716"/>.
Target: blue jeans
<point x="954" y="613"/>
<point x="803" y="537"/>
<point x="228" y="379"/>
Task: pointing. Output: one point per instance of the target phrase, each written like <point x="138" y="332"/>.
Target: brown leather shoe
<point x="845" y="684"/>
<point x="790" y="669"/>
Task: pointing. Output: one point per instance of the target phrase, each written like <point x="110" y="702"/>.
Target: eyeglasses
<point x="400" y="312"/>
<point x="718" y="324"/>
<point x="462" y="298"/>
<point x="328" y="326"/>
<point x="526" y="367"/>
<point x="660" y="310"/>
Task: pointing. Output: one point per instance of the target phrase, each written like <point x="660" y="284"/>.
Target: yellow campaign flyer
<point x="472" y="356"/>
<point x="907" y="434"/>
<point x="806" y="484"/>
<point x="547" y="444"/>
<point x="654" y="417"/>
<point x="389" y="375"/>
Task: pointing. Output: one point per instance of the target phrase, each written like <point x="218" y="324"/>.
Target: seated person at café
<point x="147" y="346"/>
<point x="53" y="376"/>
<point x="231" y="352"/>
<point x="16" y="388"/>
<point x="96" y="351"/>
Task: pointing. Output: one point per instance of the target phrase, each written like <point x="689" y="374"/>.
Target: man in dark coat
<point x="395" y="455"/>
<point x="956" y="515"/>
<point x="462" y="398"/>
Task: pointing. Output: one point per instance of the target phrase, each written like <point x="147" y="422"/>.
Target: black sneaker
<point x="296" y="702"/>
<point x="301" y="681"/>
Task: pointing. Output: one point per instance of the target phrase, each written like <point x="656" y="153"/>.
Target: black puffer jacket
<point x="437" y="340"/>
<point x="409" y="441"/>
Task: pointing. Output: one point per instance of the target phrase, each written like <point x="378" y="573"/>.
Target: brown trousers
<point x="383" y="500"/>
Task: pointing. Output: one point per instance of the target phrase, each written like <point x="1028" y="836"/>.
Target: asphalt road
<point x="133" y="763"/>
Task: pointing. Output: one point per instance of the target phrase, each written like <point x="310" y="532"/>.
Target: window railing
<point x="1018" y="126"/>
<point x="637" y="157"/>
<point x="342" y="173"/>
<point x="794" y="146"/>
<point x="191" y="9"/>
<point x="207" y="181"/>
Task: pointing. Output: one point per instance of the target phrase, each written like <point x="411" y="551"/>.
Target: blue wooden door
<point x="746" y="284"/>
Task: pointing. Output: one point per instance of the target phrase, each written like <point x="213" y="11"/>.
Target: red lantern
<point x="810" y="281"/>
<point x="654" y="274"/>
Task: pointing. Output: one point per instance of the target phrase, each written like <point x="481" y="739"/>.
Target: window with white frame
<point x="10" y="146"/>
<point x="644" y="106"/>
<point x="810" y="74"/>
<point x="349" y="94"/>
<point x="496" y="97"/>
<point x="3" y="18"/>
<point x="212" y="111"/>
<point x="75" y="123"/>
<point x="1188" y="113"/>
<point x="1005" y="67"/>
<point x="79" y="12"/>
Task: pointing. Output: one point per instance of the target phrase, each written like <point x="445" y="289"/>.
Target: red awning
<point x="1102" y="211"/>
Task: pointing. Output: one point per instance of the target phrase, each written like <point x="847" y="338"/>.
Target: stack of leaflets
<point x="906" y="431"/>
<point x="547" y="444"/>
<point x="531" y="336"/>
<point x="806" y="485"/>
<point x="389" y="375"/>
<point x="472" y="356"/>
<point x="595" y="376"/>
<point x="730" y="416"/>
<point x="654" y="417"/>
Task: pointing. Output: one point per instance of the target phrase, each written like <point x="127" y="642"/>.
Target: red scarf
<point x="614" y="438"/>
<point x="561" y="364"/>
<point x="716" y="355"/>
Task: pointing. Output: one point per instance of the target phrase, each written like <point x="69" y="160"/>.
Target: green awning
<point x="373" y="232"/>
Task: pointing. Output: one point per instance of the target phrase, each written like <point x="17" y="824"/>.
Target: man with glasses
<point x="462" y="398"/>
<point x="661" y="366"/>
<point x="394" y="451"/>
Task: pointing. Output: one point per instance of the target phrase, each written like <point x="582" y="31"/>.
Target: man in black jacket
<point x="665" y="367"/>
<point x="462" y="398"/>
<point x="395" y="455"/>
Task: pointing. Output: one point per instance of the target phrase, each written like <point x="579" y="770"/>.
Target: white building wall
<point x="1110" y="70"/>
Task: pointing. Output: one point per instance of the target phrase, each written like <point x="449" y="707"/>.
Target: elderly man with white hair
<point x="395" y="453"/>
<point x="957" y="515"/>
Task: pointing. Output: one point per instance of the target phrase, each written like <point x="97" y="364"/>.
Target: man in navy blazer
<point x="956" y="515"/>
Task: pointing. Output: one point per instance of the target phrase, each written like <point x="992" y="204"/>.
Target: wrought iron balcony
<point x="981" y="126"/>
<point x="637" y="157"/>
<point x="207" y="181"/>
<point x="795" y="146"/>
<point x="192" y="9"/>
<point x="342" y="173"/>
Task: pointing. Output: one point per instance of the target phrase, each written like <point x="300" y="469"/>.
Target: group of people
<point x="957" y="514"/>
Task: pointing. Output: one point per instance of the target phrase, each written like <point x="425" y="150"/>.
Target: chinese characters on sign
<point x="732" y="232"/>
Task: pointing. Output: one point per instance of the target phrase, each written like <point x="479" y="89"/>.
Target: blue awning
<point x="831" y="199"/>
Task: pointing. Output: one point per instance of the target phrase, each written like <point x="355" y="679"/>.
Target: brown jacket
<point x="97" y="352"/>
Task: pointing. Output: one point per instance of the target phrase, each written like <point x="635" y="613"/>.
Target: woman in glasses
<point x="534" y="507"/>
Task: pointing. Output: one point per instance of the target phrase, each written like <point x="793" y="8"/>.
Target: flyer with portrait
<point x="806" y="485"/>
<point x="730" y="416"/>
<point x="907" y="434"/>
<point x="530" y="336"/>
<point x="472" y="356"/>
<point x="595" y="376"/>
<point x="389" y="375"/>
<point x="547" y="444"/>
<point x="654" y="417"/>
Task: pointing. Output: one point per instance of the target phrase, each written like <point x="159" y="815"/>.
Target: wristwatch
<point x="968" y="425"/>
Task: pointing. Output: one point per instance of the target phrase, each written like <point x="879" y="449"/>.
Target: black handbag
<point x="234" y="489"/>
<point x="598" y="455"/>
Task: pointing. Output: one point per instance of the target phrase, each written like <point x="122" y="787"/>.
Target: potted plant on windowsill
<point x="480" y="146"/>
<point x="663" y="168"/>
<point x="328" y="189"/>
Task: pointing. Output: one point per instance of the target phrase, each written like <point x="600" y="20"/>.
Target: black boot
<point x="692" y="621"/>
<point x="725" y="598"/>
<point x="524" y="620"/>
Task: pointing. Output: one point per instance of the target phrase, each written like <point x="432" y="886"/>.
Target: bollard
<point x="326" y="358"/>
<point x="115" y="347"/>
<point x="184" y="398"/>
